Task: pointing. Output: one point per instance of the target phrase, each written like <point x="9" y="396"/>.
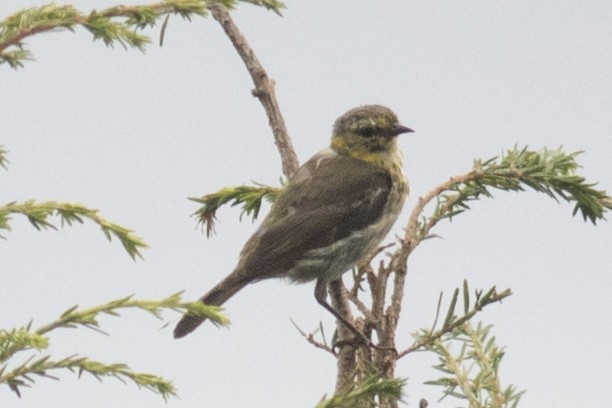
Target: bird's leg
<point x="321" y="296"/>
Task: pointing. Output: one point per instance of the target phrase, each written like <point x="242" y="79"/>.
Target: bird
<point x="334" y="211"/>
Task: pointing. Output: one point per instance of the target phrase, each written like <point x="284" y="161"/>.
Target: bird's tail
<point x="218" y="295"/>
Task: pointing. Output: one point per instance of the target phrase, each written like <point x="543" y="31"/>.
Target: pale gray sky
<point x="135" y="134"/>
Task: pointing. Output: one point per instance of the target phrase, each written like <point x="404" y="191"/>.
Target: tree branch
<point x="347" y="355"/>
<point x="452" y="322"/>
<point x="39" y="212"/>
<point x="102" y="24"/>
<point x="311" y="339"/>
<point x="26" y="23"/>
<point x="26" y="339"/>
<point x="264" y="87"/>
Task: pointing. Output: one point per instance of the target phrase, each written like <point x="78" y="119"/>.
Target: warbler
<point x="334" y="211"/>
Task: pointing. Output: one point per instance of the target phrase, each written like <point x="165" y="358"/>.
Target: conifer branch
<point x="119" y="24"/>
<point x="374" y="387"/>
<point x="74" y="316"/>
<point x="23" y="375"/>
<point x="250" y="197"/>
<point x="272" y="5"/>
<point x="552" y="172"/>
<point x="38" y="214"/>
<point x="3" y="160"/>
<point x="26" y="339"/>
<point x="451" y="321"/>
<point x="472" y="374"/>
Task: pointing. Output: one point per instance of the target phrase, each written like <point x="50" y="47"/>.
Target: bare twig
<point x="353" y="297"/>
<point x="310" y="338"/>
<point x="413" y="236"/>
<point x="264" y="87"/>
<point x="364" y="269"/>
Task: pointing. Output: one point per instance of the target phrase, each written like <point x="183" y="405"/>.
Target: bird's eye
<point x="367" y="131"/>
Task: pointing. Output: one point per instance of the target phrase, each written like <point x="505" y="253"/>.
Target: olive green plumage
<point x="334" y="211"/>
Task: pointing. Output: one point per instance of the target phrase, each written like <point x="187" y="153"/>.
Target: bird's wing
<point x="327" y="200"/>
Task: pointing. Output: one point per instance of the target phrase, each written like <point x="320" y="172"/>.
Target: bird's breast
<point x="330" y="262"/>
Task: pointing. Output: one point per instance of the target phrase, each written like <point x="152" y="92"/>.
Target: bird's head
<point x="367" y="130"/>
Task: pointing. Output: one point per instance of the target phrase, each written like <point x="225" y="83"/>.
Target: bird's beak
<point x="402" y="129"/>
